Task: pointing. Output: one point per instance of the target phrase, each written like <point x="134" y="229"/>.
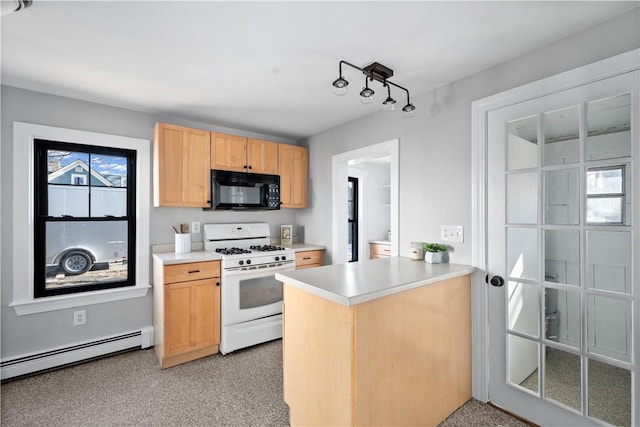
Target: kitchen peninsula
<point x="376" y="342"/>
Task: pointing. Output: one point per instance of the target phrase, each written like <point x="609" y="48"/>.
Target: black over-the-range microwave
<point x="244" y="191"/>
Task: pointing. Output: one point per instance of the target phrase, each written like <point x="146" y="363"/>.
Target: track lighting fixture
<point x="373" y="72"/>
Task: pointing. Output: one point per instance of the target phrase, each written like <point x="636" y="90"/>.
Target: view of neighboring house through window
<point x="84" y="218"/>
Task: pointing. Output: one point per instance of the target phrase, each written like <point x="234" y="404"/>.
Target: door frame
<point x="610" y="67"/>
<point x="340" y="165"/>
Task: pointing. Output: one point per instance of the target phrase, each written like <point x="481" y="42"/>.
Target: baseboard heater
<point x="59" y="356"/>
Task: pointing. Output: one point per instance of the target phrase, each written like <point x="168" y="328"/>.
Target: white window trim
<point x="23" y="300"/>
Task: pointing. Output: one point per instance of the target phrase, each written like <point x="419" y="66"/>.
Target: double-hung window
<point x="85" y="222"/>
<point x="606" y="195"/>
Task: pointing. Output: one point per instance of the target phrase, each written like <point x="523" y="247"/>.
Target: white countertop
<point x="358" y="282"/>
<point x="380" y="242"/>
<point x="169" y="258"/>
<point x="301" y="247"/>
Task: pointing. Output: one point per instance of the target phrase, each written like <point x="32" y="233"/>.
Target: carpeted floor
<point x="243" y="388"/>
<point x="609" y="386"/>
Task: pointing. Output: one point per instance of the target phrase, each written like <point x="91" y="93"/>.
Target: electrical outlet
<point x="452" y="233"/>
<point x="195" y="227"/>
<point x="79" y="317"/>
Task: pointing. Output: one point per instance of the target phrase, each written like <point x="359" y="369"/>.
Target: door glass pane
<point x="607" y="189"/>
<point x="562" y="196"/>
<point x="562" y="316"/>
<point x="523" y="362"/>
<point x="609" y="260"/>
<point x="85" y="253"/>
<point x="609" y="326"/>
<point x="609" y="393"/>
<point x="609" y="128"/>
<point x="561" y="136"/>
<point x="522" y="143"/>
<point x="523" y="311"/>
<point x="562" y="377"/>
<point x="522" y="253"/>
<point x="562" y="256"/>
<point x="522" y="198"/>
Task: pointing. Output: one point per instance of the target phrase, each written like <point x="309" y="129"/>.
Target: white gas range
<point x="251" y="303"/>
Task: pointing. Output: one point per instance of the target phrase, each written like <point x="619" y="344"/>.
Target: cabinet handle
<point x="217" y="283"/>
<point x="245" y="166"/>
<point x="250" y="167"/>
<point x="194" y="271"/>
<point x="306" y="257"/>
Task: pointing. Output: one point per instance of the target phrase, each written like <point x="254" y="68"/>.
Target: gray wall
<point x="28" y="333"/>
<point x="435" y="145"/>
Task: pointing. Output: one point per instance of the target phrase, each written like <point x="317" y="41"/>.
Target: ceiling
<point x="268" y="66"/>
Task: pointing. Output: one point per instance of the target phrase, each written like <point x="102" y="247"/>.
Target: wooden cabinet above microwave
<point x="241" y="154"/>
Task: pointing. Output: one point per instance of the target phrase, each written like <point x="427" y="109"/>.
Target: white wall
<point x="435" y="145"/>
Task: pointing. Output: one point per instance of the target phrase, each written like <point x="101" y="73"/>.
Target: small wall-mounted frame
<point x="286" y="234"/>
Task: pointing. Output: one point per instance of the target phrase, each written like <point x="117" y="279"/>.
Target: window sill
<point x="61" y="302"/>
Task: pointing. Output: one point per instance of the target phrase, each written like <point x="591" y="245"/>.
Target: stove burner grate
<point x="266" y="248"/>
<point x="232" y="251"/>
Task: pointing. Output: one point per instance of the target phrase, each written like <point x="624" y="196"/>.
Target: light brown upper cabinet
<point x="181" y="168"/>
<point x="293" y="168"/>
<point x="237" y="153"/>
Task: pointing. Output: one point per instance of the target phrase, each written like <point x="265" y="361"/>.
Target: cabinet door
<point x="181" y="166"/>
<point x="293" y="170"/>
<point x="192" y="315"/>
<point x="228" y="152"/>
<point x="262" y="156"/>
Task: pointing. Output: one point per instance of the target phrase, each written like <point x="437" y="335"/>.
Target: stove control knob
<point x="248" y="261"/>
<point x="241" y="262"/>
<point x="277" y="258"/>
<point x="284" y="258"/>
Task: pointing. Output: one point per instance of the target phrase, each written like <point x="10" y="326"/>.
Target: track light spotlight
<point x="366" y="94"/>
<point x="372" y="72"/>
<point x="340" y="86"/>
<point x="389" y="104"/>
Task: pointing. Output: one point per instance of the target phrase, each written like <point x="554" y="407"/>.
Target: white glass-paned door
<point x="564" y="216"/>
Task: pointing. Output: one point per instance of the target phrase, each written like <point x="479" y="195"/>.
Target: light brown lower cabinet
<point x="399" y="360"/>
<point x="309" y="259"/>
<point x="379" y="250"/>
<point x="186" y="311"/>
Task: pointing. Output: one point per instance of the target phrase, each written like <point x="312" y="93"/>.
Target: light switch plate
<point x="452" y="233"/>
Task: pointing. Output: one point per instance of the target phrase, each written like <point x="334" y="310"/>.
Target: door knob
<point x="496" y="281"/>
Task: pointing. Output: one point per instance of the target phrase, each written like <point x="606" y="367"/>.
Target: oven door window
<point x="259" y="292"/>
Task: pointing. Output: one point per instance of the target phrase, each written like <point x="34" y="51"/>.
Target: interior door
<point x="563" y="255"/>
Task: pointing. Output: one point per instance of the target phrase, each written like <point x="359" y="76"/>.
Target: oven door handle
<point x="259" y="272"/>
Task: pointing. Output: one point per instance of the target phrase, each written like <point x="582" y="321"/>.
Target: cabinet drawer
<point x="379" y="250"/>
<point x="308" y="259"/>
<point x="191" y="271"/>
